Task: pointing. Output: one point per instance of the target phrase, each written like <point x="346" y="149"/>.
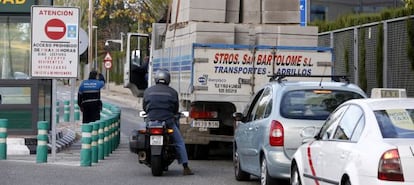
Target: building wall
<point x="335" y="8"/>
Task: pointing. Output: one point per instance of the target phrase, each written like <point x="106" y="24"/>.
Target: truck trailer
<point x="216" y="66"/>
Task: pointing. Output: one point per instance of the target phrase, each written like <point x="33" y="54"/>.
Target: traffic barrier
<point x="86" y="153"/>
<point x="3" y="139"/>
<point x="111" y="134"/>
<point x="101" y="140"/>
<point x="57" y="112"/>
<point x="76" y="111"/>
<point x="106" y="138"/>
<point x="66" y="111"/>
<point x="95" y="128"/>
<point x="42" y="139"/>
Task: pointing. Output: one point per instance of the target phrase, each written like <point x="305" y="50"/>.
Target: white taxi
<point x="363" y="142"/>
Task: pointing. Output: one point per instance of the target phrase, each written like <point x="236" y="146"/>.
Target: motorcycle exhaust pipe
<point x="142" y="156"/>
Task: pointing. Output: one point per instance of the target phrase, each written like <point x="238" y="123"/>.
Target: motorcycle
<point x="154" y="144"/>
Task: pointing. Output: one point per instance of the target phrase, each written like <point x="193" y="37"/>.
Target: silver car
<point x="268" y="131"/>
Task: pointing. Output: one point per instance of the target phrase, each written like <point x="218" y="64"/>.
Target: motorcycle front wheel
<point x="156" y="165"/>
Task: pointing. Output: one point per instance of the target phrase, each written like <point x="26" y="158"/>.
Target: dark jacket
<point x="89" y="91"/>
<point x="160" y="102"/>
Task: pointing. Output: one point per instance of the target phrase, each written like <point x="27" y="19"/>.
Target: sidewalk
<point x="16" y="148"/>
<point x="121" y="94"/>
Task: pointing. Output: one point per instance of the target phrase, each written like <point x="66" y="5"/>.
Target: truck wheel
<point x="201" y="152"/>
<point x="156" y="165"/>
<point x="197" y="152"/>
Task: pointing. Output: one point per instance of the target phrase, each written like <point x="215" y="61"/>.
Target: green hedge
<point x="358" y="19"/>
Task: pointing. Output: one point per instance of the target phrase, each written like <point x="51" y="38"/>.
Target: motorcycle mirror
<point x="142" y="114"/>
<point x="185" y="113"/>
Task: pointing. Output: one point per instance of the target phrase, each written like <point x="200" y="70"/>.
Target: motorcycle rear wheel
<point x="156" y="165"/>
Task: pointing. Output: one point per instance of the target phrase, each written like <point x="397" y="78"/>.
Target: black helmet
<point x="162" y="76"/>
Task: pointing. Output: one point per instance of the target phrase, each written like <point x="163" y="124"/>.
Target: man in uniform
<point x="89" y="98"/>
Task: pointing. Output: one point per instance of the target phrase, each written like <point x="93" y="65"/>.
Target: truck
<point x="216" y="67"/>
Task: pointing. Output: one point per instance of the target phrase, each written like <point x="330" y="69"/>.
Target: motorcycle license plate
<point x="156" y="140"/>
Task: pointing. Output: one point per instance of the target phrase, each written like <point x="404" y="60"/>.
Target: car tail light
<point x="389" y="168"/>
<point x="276" y="135"/>
<point x="156" y="131"/>
<point x="203" y="114"/>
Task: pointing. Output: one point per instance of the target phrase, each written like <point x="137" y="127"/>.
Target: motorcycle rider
<point x="160" y="103"/>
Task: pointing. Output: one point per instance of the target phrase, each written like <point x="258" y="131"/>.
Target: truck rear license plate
<point x="156" y="140"/>
<point x="205" y="124"/>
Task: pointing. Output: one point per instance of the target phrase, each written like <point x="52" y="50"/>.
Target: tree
<point x="409" y="3"/>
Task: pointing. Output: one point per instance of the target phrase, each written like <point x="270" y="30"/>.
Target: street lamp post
<point x="120" y="41"/>
<point x="95" y="61"/>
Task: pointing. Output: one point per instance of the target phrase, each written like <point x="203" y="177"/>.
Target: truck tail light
<point x="389" y="168"/>
<point x="203" y="114"/>
<point x="276" y="134"/>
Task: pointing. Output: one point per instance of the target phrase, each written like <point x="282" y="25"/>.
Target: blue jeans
<point x="179" y="144"/>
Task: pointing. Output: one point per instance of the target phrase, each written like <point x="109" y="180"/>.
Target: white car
<point x="363" y="142"/>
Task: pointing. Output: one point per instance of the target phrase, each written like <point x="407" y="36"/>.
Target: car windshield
<point x="396" y="123"/>
<point x="313" y="104"/>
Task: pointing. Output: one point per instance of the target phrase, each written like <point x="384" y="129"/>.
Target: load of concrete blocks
<point x="244" y="22"/>
<point x="280" y="11"/>
<point x="201" y="32"/>
<point x="198" y="10"/>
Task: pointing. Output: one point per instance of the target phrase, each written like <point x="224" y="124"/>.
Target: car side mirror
<point x="238" y="116"/>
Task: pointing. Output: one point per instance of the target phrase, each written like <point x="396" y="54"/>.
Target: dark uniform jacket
<point x="160" y="102"/>
<point x="89" y="99"/>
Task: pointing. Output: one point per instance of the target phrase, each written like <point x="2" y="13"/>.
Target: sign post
<point x="54" y="49"/>
<point x="107" y="65"/>
<point x="55" y="42"/>
<point x="303" y="12"/>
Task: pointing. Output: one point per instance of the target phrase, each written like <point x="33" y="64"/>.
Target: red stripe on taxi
<point x="311" y="163"/>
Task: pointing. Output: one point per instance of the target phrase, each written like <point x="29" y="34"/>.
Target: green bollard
<point x="116" y="132"/>
<point x="3" y="139"/>
<point x="101" y="140"/>
<point x="106" y="138"/>
<point x="76" y="111"/>
<point x="86" y="153"/>
<point x="119" y="127"/>
<point x="66" y="111"/>
<point x="111" y="134"/>
<point x="42" y="138"/>
<point x="57" y="112"/>
<point x="95" y="137"/>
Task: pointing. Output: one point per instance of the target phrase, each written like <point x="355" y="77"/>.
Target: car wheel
<point x="294" y="176"/>
<point x="238" y="172"/>
<point x="265" y="178"/>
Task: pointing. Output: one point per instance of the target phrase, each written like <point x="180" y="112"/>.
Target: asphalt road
<point x="120" y="167"/>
